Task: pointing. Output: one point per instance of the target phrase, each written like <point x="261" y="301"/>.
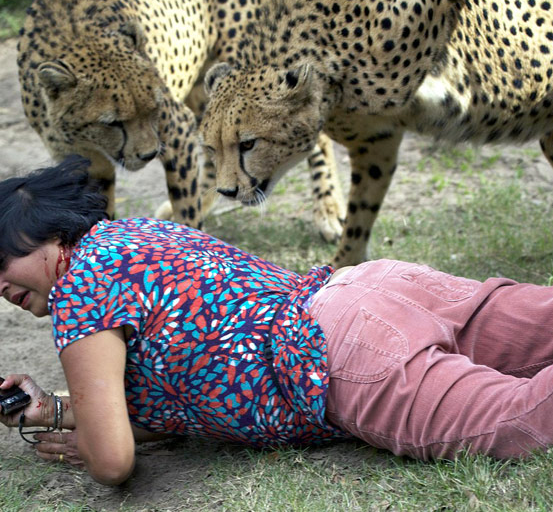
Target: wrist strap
<point x="58" y="421"/>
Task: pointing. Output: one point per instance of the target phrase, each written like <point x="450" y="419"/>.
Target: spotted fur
<point x="366" y="71"/>
<point x="108" y="80"/>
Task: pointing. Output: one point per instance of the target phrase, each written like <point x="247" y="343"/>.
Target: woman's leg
<point x="398" y="379"/>
<point x="522" y="314"/>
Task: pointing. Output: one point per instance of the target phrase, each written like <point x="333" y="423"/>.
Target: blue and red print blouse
<point x="201" y="311"/>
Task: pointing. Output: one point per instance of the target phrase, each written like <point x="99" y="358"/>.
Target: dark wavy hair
<point x="54" y="202"/>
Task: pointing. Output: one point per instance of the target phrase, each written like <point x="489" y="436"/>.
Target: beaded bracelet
<point x="58" y="421"/>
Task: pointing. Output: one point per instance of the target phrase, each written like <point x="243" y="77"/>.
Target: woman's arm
<point x="94" y="368"/>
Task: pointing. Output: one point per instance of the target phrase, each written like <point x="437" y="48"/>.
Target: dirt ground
<point x="26" y="341"/>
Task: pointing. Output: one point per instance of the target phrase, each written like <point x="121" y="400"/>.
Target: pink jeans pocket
<point x="370" y="350"/>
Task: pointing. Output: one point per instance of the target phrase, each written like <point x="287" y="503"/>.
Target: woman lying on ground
<point x="164" y="330"/>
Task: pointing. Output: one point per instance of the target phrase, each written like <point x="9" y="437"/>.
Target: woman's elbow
<point x="111" y="472"/>
<point x="112" y="468"/>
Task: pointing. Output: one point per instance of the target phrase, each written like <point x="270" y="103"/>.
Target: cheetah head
<point x="103" y="95"/>
<point x="257" y="125"/>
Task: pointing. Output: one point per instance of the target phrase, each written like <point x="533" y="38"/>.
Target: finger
<point x="78" y="463"/>
<point x="50" y="448"/>
<point x="61" y="458"/>
<point x="52" y="437"/>
<point x="72" y="457"/>
<point x="8" y="382"/>
<point x="14" y="379"/>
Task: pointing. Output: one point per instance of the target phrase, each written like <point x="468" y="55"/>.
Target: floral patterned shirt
<point x="201" y="312"/>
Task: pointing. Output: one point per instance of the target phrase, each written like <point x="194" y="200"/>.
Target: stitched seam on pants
<point x="519" y="416"/>
<point x="515" y="423"/>
<point x="465" y="442"/>
<point x="408" y="444"/>
<point x="422" y="445"/>
<point x="521" y="369"/>
<point x="516" y="420"/>
<point x="385" y="273"/>
<point x="529" y="431"/>
<point x="352" y="277"/>
<point x="466" y="290"/>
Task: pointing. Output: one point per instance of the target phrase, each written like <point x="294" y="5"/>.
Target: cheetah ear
<point x="134" y="30"/>
<point x="296" y="83"/>
<point x="214" y="76"/>
<point x="55" y="76"/>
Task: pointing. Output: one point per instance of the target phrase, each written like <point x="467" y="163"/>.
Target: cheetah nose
<point x="148" y="156"/>
<point x="229" y="192"/>
<point x="264" y="185"/>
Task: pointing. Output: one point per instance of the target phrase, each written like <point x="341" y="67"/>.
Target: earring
<point x="61" y="260"/>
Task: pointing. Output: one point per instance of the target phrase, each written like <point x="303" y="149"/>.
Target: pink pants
<point x="425" y="364"/>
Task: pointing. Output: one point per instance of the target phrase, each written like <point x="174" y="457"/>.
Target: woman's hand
<point x="39" y="412"/>
<point x="59" y="447"/>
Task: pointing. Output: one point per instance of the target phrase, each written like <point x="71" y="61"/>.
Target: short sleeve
<point x="87" y="301"/>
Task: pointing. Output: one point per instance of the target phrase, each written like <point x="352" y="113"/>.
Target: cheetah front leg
<point x="328" y="202"/>
<point x="546" y="143"/>
<point x="181" y="162"/>
<point x="208" y="190"/>
<point x="102" y="171"/>
<point x="373" y="161"/>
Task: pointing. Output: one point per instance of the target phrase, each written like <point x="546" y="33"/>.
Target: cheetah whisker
<point x="260" y="199"/>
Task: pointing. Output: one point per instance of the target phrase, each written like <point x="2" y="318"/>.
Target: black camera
<point x="12" y="399"/>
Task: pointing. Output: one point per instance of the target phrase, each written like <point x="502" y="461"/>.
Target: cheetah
<point x="365" y="72"/>
<point x="109" y="80"/>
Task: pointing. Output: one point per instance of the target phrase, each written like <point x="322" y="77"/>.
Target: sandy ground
<point x="26" y="342"/>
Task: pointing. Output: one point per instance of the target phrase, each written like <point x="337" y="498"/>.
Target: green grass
<point x="284" y="237"/>
<point x="309" y="481"/>
<point x="346" y="477"/>
<point x="12" y="14"/>
<point x="495" y="231"/>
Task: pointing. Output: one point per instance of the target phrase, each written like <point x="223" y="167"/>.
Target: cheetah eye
<point x="246" y="145"/>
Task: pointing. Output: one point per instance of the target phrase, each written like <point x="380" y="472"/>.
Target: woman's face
<point x="27" y="281"/>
